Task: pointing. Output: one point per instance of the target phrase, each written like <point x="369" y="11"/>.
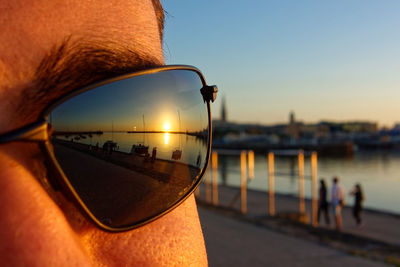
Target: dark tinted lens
<point x="133" y="148"/>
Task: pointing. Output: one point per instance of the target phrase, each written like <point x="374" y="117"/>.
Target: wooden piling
<point x="302" y="208"/>
<point x="243" y="183"/>
<point x="271" y="190"/>
<point x="251" y="164"/>
<point x="314" y="167"/>
<point x="214" y="164"/>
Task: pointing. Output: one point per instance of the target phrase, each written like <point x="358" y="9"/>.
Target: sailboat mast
<point x="112" y="130"/>
<point x="179" y="118"/>
<point x="144" y="131"/>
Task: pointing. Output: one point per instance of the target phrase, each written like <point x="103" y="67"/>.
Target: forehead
<point x="30" y="29"/>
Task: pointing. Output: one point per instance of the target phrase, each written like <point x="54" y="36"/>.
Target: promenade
<point x="231" y="242"/>
<point x="377" y="239"/>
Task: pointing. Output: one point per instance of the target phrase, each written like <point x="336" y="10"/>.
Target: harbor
<point x="376" y="243"/>
<point x="237" y="189"/>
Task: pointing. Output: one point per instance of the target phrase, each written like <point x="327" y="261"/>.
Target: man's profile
<point x="48" y="48"/>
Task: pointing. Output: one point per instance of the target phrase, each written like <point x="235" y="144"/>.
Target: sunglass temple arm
<point x="36" y="132"/>
<point x="209" y="92"/>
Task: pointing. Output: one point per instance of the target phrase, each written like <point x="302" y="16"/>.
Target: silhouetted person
<point x="358" y="199"/>
<point x="337" y="202"/>
<point x="323" y="202"/>
<point x="153" y="154"/>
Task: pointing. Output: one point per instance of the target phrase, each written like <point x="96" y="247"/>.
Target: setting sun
<point x="167" y="126"/>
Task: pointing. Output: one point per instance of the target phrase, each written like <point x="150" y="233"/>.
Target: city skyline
<point x="333" y="61"/>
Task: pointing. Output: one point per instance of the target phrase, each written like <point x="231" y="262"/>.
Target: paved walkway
<point x="231" y="242"/>
<point x="379" y="226"/>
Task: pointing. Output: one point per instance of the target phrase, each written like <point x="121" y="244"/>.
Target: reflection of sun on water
<point x="166" y="138"/>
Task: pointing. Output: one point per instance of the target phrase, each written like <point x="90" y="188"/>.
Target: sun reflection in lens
<point x="166" y="138"/>
<point x="167" y="126"/>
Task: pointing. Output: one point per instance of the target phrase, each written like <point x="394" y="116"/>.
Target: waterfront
<point x="377" y="171"/>
<point x="246" y="240"/>
<point x="165" y="144"/>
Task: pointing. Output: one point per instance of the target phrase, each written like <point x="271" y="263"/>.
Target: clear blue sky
<point x="325" y="60"/>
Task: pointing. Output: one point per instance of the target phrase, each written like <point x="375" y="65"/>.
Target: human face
<point x="46" y="49"/>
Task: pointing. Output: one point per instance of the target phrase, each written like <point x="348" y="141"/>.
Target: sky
<point x="325" y="60"/>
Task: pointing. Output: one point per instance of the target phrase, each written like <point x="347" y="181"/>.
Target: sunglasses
<point x="129" y="149"/>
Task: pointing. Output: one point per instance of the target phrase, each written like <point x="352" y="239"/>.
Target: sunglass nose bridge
<point x="209" y="92"/>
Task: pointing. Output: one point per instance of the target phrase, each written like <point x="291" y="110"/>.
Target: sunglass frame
<point x="40" y="132"/>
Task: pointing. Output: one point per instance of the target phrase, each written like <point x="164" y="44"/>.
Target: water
<point x="165" y="143"/>
<point x="377" y="172"/>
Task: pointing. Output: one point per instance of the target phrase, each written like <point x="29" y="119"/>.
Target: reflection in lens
<point x="133" y="148"/>
<point x="166" y="138"/>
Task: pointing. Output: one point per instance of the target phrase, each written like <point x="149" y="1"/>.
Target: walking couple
<point x="337" y="202"/>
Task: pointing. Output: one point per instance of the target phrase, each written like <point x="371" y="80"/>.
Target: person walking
<point x="337" y="202"/>
<point x="323" y="202"/>
<point x="358" y="199"/>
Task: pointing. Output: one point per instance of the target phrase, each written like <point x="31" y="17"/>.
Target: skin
<point x="38" y="226"/>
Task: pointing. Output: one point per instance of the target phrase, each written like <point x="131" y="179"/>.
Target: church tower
<point x="224" y="116"/>
<point x="293" y="129"/>
<point x="292" y="119"/>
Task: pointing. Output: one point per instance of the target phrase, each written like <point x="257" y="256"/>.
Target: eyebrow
<point x="160" y="14"/>
<point x="74" y="65"/>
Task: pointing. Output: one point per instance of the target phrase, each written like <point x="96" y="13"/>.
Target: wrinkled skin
<point x="39" y="227"/>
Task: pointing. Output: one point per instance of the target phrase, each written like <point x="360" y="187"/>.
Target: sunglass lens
<point x="133" y="148"/>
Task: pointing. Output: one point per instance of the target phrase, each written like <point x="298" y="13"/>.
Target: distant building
<point x="293" y="128"/>
<point x="224" y="116"/>
<point x="292" y="119"/>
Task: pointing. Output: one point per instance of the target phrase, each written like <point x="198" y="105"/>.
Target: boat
<point x="141" y="149"/>
<point x="109" y="145"/>
<point x="176" y="154"/>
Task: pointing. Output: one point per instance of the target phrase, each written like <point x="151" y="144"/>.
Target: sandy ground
<point x="376" y="225"/>
<point x="378" y="238"/>
<point x="231" y="242"/>
<point x="120" y="188"/>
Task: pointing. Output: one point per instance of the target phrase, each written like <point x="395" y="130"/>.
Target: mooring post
<point x="243" y="182"/>
<point x="301" y="182"/>
<point x="271" y="190"/>
<point x="214" y="164"/>
<point x="251" y="164"/>
<point x="314" y="166"/>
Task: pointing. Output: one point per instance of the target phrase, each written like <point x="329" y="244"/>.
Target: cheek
<point x="33" y="229"/>
<point x="174" y="239"/>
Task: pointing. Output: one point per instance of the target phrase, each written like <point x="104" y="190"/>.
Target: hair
<point x="335" y="179"/>
<point x="358" y="187"/>
<point x="160" y="16"/>
<point x="75" y="64"/>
